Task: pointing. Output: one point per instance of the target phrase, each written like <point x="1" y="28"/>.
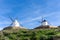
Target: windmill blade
<point x="21" y="25"/>
<point x="39" y="21"/>
<point x="11" y="19"/>
<point x="49" y="23"/>
<point x="42" y="18"/>
<point x="11" y="24"/>
<point x="16" y="18"/>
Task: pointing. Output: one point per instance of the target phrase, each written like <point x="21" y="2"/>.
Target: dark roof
<point x="44" y="21"/>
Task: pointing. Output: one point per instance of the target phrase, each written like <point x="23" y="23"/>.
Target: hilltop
<point x="42" y="32"/>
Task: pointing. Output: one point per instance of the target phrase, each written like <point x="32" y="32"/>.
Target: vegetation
<point x="36" y="34"/>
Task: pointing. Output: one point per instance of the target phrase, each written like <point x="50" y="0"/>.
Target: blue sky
<point x="29" y="12"/>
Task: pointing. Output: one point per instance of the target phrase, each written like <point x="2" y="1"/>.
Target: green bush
<point x="38" y="34"/>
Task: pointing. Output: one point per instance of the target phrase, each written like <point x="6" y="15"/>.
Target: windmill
<point x="44" y="22"/>
<point x="15" y="23"/>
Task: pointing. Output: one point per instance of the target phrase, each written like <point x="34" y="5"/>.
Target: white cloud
<point x="37" y="18"/>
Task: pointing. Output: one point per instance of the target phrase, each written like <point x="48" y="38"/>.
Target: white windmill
<point x="15" y="23"/>
<point x="44" y="22"/>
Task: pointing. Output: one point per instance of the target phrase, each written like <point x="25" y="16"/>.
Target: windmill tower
<point x="44" y="23"/>
<point x="15" y="23"/>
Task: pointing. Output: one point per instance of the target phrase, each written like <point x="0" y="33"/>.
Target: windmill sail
<point x="11" y="18"/>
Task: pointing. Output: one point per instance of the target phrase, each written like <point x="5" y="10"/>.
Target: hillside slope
<point x="24" y="34"/>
